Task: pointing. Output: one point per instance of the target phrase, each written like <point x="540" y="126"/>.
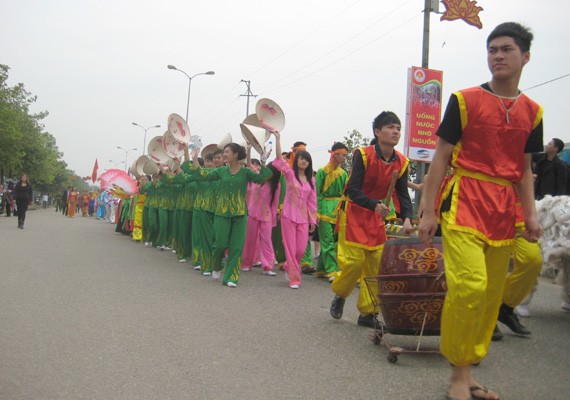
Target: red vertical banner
<point x="94" y="173"/>
<point x="423" y="113"/>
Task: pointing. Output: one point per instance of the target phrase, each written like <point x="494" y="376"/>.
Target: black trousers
<point x="22" y="208"/>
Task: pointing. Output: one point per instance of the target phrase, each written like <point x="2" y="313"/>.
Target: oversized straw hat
<point x="208" y="149"/>
<point x="227" y="139"/>
<point x="156" y="152"/>
<point x="150" y="167"/>
<point x="270" y="115"/>
<point x="254" y="136"/>
<point x="172" y="147"/>
<point x="179" y="129"/>
<point x="140" y="162"/>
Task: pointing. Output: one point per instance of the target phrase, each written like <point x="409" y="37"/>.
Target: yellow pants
<point x="475" y="274"/>
<point x="137" y="222"/>
<point x="527" y="265"/>
<point x="356" y="263"/>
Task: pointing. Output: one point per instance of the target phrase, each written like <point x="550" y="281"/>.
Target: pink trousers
<point x="295" y="239"/>
<point x="258" y="241"/>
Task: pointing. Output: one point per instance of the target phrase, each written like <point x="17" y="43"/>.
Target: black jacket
<point x="551" y="177"/>
<point x="23" y="192"/>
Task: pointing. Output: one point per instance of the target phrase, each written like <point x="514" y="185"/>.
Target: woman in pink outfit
<point x="262" y="207"/>
<point x="299" y="214"/>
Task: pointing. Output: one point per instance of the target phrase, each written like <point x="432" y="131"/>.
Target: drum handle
<point x="391" y="188"/>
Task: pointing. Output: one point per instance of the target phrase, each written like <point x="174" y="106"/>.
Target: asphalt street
<point x="86" y="313"/>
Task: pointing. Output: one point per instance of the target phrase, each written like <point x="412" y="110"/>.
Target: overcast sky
<point x="98" y="66"/>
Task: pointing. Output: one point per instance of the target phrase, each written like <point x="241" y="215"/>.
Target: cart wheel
<point x="392" y="358"/>
<point x="376" y="339"/>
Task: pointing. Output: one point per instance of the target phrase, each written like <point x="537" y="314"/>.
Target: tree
<point x="353" y="140"/>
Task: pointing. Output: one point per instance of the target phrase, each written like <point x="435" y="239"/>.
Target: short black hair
<point x="255" y="161"/>
<point x="201" y="160"/>
<point x="520" y="34"/>
<point x="209" y="157"/>
<point x="559" y="144"/>
<point x="338" y="146"/>
<point x="218" y="151"/>
<point x="296" y="144"/>
<point x="385" y="118"/>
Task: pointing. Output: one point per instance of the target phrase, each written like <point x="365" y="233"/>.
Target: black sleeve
<point x="534" y="143"/>
<point x="561" y="178"/>
<point x="354" y="187"/>
<point x="450" y="127"/>
<point x="406" y="209"/>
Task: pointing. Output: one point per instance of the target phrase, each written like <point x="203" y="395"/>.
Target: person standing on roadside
<point x="23" y="195"/>
<point x="551" y="171"/>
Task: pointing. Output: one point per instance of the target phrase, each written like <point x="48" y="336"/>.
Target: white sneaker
<point x="522" y="310"/>
<point x="231" y="284"/>
<point x="245" y="269"/>
<point x="268" y="273"/>
<point x="147" y="244"/>
<point x="565" y="306"/>
<point x="197" y="268"/>
<point x="206" y="273"/>
<point x="294" y="286"/>
<point x="174" y="251"/>
<point x="182" y="260"/>
<point x="216" y="274"/>
<point x="257" y="264"/>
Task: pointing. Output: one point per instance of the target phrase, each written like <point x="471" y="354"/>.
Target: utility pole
<point x="429" y="7"/>
<point x="247" y="94"/>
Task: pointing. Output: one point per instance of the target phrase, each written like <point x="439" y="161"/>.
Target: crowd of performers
<point x="478" y="195"/>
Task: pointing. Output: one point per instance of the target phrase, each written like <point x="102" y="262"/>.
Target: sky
<point x="332" y="66"/>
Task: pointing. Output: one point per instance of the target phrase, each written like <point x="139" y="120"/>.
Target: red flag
<point x="94" y="173"/>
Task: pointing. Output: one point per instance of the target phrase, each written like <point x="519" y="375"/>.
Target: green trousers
<point x="152" y="224"/>
<point x="203" y="239"/>
<point x="229" y="233"/>
<point x="162" y="239"/>
<point x="145" y="224"/>
<point x="307" y="260"/>
<point x="327" y="259"/>
<point x="277" y="240"/>
<point x="182" y="226"/>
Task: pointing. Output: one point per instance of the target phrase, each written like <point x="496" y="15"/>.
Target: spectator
<point x="45" y="200"/>
<point x="551" y="171"/>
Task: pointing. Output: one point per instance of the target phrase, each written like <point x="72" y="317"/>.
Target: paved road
<point x="85" y="313"/>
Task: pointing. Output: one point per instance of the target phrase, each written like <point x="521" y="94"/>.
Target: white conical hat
<point x="254" y="136"/>
<point x="150" y="167"/>
<point x="227" y="139"/>
<point x="251" y="119"/>
<point x="172" y="147"/>
<point x="140" y="164"/>
<point x="208" y="149"/>
<point x="156" y="152"/>
<point x="133" y="169"/>
<point x="270" y="115"/>
<point x="179" y="129"/>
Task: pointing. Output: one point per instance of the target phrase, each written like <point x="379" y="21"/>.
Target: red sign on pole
<point x="423" y="113"/>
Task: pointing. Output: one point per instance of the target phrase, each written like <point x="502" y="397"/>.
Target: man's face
<point x="388" y="135"/>
<point x="505" y="59"/>
<point x="340" y="157"/>
<point x="550" y="148"/>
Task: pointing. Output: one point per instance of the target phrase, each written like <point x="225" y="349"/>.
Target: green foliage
<point x="25" y="145"/>
<point x="353" y="140"/>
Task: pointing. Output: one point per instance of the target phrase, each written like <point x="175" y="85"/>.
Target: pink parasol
<point x="117" y="177"/>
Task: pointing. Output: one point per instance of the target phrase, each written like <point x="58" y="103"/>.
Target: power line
<point x="247" y="94"/>
<point x="345" y="56"/>
<point x="303" y="39"/>
<point x="544" y="83"/>
<point x="336" y="48"/>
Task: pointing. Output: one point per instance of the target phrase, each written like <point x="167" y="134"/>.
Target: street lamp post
<point x="145" y="129"/>
<point x="126" y="153"/>
<point x="189" y="84"/>
<point x="116" y="163"/>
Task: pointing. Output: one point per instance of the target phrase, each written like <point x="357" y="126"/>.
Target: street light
<point x="145" y="129"/>
<point x="189" y="84"/>
<point x="126" y="153"/>
<point x="116" y="163"/>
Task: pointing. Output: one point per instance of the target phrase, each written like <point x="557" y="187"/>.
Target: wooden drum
<point x="411" y="286"/>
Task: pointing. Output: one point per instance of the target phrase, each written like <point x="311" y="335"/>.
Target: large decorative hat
<point x="140" y="162"/>
<point x="254" y="136"/>
<point x="150" y="167"/>
<point x="251" y="119"/>
<point x="133" y="169"/>
<point x="172" y="147"/>
<point x="179" y="129"/>
<point x="156" y="152"/>
<point x="208" y="149"/>
<point x="227" y="139"/>
<point x="270" y="115"/>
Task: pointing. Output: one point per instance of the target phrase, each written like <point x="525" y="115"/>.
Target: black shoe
<point x="337" y="306"/>
<point x="508" y="317"/>
<point x="497" y="334"/>
<point x="369" y="321"/>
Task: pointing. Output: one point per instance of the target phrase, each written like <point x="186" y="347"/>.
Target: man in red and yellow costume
<point x="361" y="229"/>
<point x="487" y="135"/>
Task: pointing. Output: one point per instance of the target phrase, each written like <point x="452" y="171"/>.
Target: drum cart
<point x="411" y="292"/>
